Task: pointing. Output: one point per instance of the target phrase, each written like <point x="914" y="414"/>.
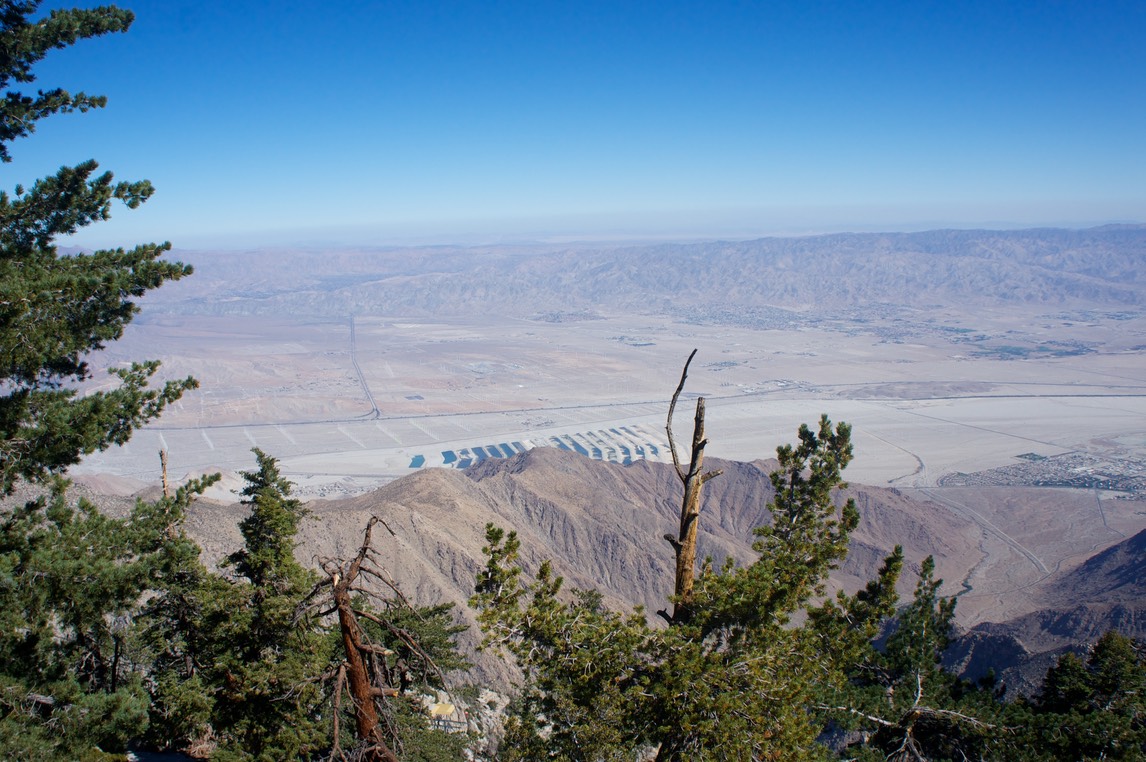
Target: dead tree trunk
<point x="163" y="468"/>
<point x="368" y="725"/>
<point x="684" y="544"/>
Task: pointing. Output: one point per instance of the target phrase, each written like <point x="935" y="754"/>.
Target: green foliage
<point x="420" y="641"/>
<point x="905" y="704"/>
<point x="267" y="557"/>
<point x="70" y="580"/>
<point x="74" y="726"/>
<point x="57" y="309"/>
<point x="735" y="680"/>
<point x="70" y="577"/>
<point x="26" y="43"/>
<point x="921" y="630"/>
<point x="1093" y="709"/>
<point x="264" y="663"/>
<point x="806" y="538"/>
<point x="177" y="647"/>
<point x="848" y="625"/>
<point x="419" y="741"/>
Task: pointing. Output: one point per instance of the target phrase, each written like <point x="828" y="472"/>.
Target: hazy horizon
<point x="459" y="122"/>
<point x="522" y="233"/>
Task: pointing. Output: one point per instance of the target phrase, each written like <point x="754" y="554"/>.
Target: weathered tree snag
<point x="367" y="675"/>
<point x="684" y="544"/>
<point x="367" y="722"/>
<point x="163" y="468"/>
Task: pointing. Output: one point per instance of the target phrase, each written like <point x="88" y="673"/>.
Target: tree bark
<point x="367" y="724"/>
<point x="684" y="545"/>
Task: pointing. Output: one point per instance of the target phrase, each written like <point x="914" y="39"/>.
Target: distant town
<point x="1079" y="470"/>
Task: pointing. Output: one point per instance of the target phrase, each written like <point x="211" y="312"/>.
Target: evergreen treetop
<point x="56" y="309"/>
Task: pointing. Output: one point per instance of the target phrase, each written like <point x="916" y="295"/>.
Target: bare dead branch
<point x="163" y="470"/>
<point x="672" y="409"/>
<point x="704" y="479"/>
<point x="405" y="638"/>
<point x="858" y="713"/>
<point x="953" y="716"/>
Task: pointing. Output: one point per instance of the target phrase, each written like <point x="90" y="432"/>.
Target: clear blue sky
<point x="349" y="121"/>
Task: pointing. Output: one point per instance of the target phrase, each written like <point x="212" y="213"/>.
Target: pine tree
<point x="171" y="629"/>
<point x="70" y="577"/>
<point x="1093" y="709"/>
<point x="905" y="704"/>
<point x="55" y="309"/>
<point x="67" y="583"/>
<point x="733" y="675"/>
<point x="264" y="662"/>
<point x="71" y="582"/>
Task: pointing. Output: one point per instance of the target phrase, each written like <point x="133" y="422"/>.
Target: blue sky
<point x="374" y="122"/>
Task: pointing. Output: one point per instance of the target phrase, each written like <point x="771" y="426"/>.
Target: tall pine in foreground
<point x="70" y="578"/>
<point x="231" y="670"/>
<point x="55" y="309"/>
<point x="266" y="662"/>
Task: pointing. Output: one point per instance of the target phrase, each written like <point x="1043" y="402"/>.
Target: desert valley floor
<point x="349" y="404"/>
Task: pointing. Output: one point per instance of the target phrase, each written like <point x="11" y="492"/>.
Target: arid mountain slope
<point x="601" y="523"/>
<point x="1115" y="575"/>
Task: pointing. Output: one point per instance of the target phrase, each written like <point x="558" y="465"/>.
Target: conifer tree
<point x="732" y="679"/>
<point x="906" y="705"/>
<point x="264" y="663"/>
<point x="1092" y="709"/>
<point x="56" y="309"/>
<point x="71" y="580"/>
<point x="172" y="631"/>
<point x="67" y="582"/>
<point x="70" y="577"/>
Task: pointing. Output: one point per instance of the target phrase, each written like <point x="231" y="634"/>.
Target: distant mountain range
<point x="1047" y="267"/>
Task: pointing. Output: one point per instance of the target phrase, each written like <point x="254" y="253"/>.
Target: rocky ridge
<point x="600" y="523"/>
